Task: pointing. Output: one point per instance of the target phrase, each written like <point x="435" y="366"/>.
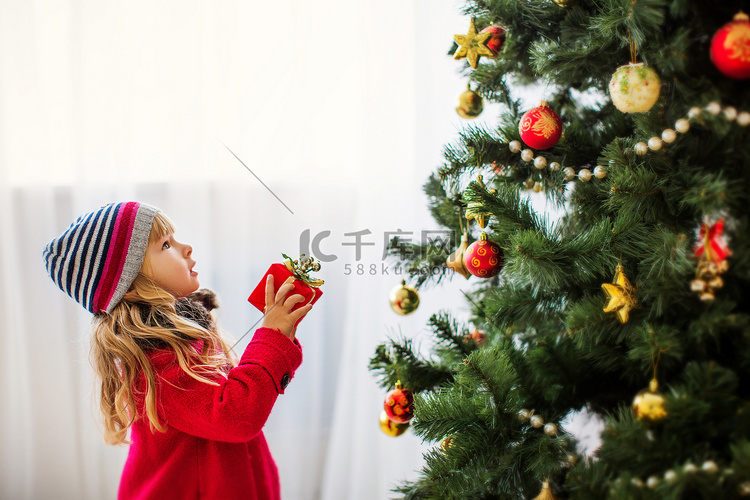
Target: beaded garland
<point x="682" y="126"/>
<point x="709" y="468"/>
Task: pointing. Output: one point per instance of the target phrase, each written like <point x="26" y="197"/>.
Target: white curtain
<point x="339" y="107"/>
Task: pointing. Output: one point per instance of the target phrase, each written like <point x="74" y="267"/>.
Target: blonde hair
<point x="145" y="320"/>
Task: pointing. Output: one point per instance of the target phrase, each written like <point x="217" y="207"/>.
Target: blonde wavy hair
<point x="146" y="319"/>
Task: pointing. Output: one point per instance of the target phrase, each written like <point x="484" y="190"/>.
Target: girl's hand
<point x="279" y="314"/>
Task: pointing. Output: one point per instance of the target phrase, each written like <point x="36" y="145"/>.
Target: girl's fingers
<point x="299" y="313"/>
<point x="283" y="290"/>
<point x="269" y="291"/>
<point x="294" y="299"/>
<point x="271" y="298"/>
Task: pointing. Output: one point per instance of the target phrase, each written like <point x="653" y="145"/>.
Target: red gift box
<point x="283" y="273"/>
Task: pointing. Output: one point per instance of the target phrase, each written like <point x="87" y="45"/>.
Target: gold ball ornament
<point x="446" y="443"/>
<point x="653" y="482"/>
<point x="404" y="299"/>
<point x="536" y="421"/>
<point x="564" y="3"/>
<point x="648" y="404"/>
<point x="391" y="428"/>
<point x="470" y="104"/>
<point x="634" y="88"/>
<point x="714" y="108"/>
<point x="682" y="125"/>
<point x="671" y="476"/>
<point x="668" y="135"/>
<point x="654" y="144"/>
<point x="710" y="467"/>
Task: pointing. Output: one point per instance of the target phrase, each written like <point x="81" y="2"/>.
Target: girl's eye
<point x="166" y="246"/>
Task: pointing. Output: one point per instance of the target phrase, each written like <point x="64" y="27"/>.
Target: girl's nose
<point x="188" y="250"/>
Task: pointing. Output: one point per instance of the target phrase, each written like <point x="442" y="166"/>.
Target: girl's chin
<point x="187" y="291"/>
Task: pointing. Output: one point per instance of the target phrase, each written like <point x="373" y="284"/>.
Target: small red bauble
<point x="399" y="404"/>
<point x="540" y="127"/>
<point x="497" y="40"/>
<point x="478" y="337"/>
<point x="484" y="258"/>
<point x="730" y="48"/>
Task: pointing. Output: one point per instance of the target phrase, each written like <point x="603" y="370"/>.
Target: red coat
<point x="213" y="447"/>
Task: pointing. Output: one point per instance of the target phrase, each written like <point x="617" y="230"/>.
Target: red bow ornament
<point x="711" y="242"/>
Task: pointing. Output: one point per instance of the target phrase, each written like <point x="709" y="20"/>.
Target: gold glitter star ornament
<point x="621" y="295"/>
<point x="473" y="45"/>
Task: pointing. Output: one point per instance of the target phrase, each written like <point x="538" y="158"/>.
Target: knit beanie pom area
<point x="99" y="256"/>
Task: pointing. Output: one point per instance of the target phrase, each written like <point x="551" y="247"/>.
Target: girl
<point x="193" y="413"/>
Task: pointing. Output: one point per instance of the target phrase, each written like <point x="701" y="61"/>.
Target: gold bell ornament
<point x="648" y="404"/>
<point x="455" y="260"/>
<point x="546" y="493"/>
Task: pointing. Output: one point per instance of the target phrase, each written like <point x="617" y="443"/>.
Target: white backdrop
<point x="340" y="107"/>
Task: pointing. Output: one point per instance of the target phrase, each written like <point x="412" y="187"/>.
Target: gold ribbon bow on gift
<point x="300" y="269"/>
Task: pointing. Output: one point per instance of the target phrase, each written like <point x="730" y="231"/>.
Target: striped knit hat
<point x="97" y="258"/>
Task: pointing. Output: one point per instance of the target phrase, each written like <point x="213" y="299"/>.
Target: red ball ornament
<point x="497" y="40"/>
<point x="540" y="127"/>
<point x="730" y="48"/>
<point x="399" y="404"/>
<point x="484" y="258"/>
<point x="478" y="337"/>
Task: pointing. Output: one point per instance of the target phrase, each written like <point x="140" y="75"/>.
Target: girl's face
<point x="171" y="266"/>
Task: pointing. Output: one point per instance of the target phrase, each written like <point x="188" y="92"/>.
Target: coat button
<point x="285" y="380"/>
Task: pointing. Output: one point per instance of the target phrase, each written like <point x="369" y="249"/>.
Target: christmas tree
<point x="632" y="305"/>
